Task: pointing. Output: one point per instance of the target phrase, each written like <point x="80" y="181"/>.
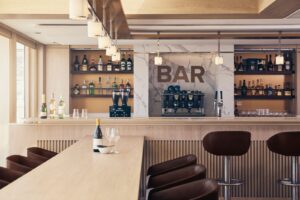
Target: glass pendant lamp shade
<point x="110" y="51"/>
<point x="103" y="42"/>
<point x="116" y="56"/>
<point x="279" y="60"/>
<point x="219" y="60"/>
<point x="158" y="60"/>
<point x="94" y="29"/>
<point x="78" y="9"/>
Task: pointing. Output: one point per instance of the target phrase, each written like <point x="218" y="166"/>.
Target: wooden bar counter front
<point x="166" y="138"/>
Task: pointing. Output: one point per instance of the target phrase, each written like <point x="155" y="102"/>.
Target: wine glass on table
<point x="113" y="136"/>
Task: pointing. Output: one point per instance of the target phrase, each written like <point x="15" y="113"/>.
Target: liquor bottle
<point x="76" y="65"/>
<point x="287" y="62"/>
<point x="257" y="88"/>
<point x="249" y="88"/>
<point x="266" y="63"/>
<point x="270" y="90"/>
<point x="241" y="65"/>
<point x="244" y="89"/>
<point x="116" y="67"/>
<point x="93" y="67"/>
<point x="43" y="113"/>
<point x="240" y="87"/>
<point x="52" y="107"/>
<point x="261" y="64"/>
<point x="109" y="66"/>
<point x="235" y="90"/>
<point x="253" y="90"/>
<point x="123" y="63"/>
<point x="76" y="89"/>
<point x="278" y="67"/>
<point x="121" y="86"/>
<point x="107" y="85"/>
<point x="84" y="88"/>
<point x="92" y="88"/>
<point x="114" y="85"/>
<point x="85" y="63"/>
<point x="97" y="136"/>
<point x="279" y="90"/>
<point x="100" y="64"/>
<point x="270" y="64"/>
<point x="236" y="111"/>
<point x="61" y="108"/>
<point x="128" y="87"/>
<point x="261" y="91"/>
<point x="100" y="90"/>
<point x="129" y="64"/>
<point x="287" y="89"/>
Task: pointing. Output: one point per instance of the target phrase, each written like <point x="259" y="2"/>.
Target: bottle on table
<point x="97" y="136"/>
<point x="93" y="67"/>
<point x="84" y="89"/>
<point x="52" y="107"/>
<point x="76" y="65"/>
<point x="43" y="112"/>
<point x="244" y="89"/>
<point x="123" y="63"/>
<point x="61" y="108"/>
<point x="92" y="88"/>
<point x="109" y="66"/>
<point x="85" y="63"/>
<point x="100" y="91"/>
<point x="129" y="64"/>
<point x="100" y="64"/>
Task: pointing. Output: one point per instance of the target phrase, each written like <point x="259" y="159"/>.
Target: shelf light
<point x="219" y="59"/>
<point x="78" y="9"/>
<point x="158" y="59"/>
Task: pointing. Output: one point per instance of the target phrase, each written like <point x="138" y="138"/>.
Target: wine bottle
<point x="76" y="65"/>
<point x="84" y="66"/>
<point x="128" y="87"/>
<point x="52" y="107"/>
<point x="287" y="62"/>
<point x="84" y="90"/>
<point x="109" y="66"/>
<point x="114" y="84"/>
<point x="236" y="63"/>
<point x="129" y="64"/>
<point x="43" y="113"/>
<point x="279" y="90"/>
<point x="241" y="65"/>
<point x="123" y="63"/>
<point x="100" y="64"/>
<point x="244" y="89"/>
<point x="270" y="64"/>
<point x="253" y="90"/>
<point x="100" y="91"/>
<point x="97" y="136"/>
<point x="61" y="108"/>
<point x="236" y="111"/>
<point x="122" y="86"/>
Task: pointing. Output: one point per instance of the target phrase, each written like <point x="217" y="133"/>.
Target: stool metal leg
<point x="294" y="177"/>
<point x="227" y="177"/>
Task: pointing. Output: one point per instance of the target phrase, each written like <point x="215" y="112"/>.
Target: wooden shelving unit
<point x="273" y="97"/>
<point x="264" y="73"/>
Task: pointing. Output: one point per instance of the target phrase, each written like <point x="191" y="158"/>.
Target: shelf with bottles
<point x="253" y="64"/>
<point x="266" y="97"/>
<point x="98" y="62"/>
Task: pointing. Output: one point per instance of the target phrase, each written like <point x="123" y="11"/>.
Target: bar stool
<point x="21" y="163"/>
<point x="40" y="154"/>
<point x="171" y="165"/>
<point x="288" y="144"/>
<point x="7" y="176"/>
<point x="177" y="177"/>
<point x="204" y="189"/>
<point x="227" y="144"/>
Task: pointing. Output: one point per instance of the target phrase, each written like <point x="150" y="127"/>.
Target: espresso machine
<point x="176" y="103"/>
<point x="122" y="110"/>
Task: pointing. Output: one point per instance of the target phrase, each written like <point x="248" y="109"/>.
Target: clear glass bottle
<point x="61" y="108"/>
<point x="76" y="65"/>
<point x="85" y="63"/>
<point x="84" y="89"/>
<point x="52" y="107"/>
<point x="92" y="88"/>
<point x="43" y="112"/>
<point x="100" y="64"/>
<point x="100" y="89"/>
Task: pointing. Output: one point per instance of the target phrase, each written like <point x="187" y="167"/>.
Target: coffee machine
<point x="122" y="110"/>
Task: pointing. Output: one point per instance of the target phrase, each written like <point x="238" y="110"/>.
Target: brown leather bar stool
<point x="227" y="144"/>
<point x="40" y="154"/>
<point x="171" y="165"/>
<point x="177" y="177"/>
<point x="204" y="189"/>
<point x="21" y="163"/>
<point x="288" y="144"/>
<point x="7" y="176"/>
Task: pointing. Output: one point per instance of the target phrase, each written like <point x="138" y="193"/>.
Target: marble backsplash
<point x="187" y="60"/>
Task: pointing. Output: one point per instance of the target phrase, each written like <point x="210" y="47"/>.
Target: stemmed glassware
<point x="112" y="135"/>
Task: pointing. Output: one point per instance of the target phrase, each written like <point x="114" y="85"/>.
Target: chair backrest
<point x="9" y="175"/>
<point x="285" y="143"/>
<point x="204" y="189"/>
<point x="177" y="177"/>
<point x="41" y="152"/>
<point x="173" y="164"/>
<point x="227" y="143"/>
<point x="21" y="163"/>
<point x="3" y="183"/>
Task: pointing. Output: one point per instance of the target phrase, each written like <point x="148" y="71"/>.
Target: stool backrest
<point x="285" y="143"/>
<point x="227" y="143"/>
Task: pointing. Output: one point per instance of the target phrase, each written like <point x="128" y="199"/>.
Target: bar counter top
<point x="168" y="121"/>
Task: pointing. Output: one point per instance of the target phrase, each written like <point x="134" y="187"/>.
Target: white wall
<point x="4" y="100"/>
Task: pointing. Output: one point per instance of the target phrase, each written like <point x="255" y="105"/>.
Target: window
<point x="20" y="81"/>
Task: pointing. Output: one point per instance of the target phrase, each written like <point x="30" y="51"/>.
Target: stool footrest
<point x="233" y="182"/>
<point x="288" y="182"/>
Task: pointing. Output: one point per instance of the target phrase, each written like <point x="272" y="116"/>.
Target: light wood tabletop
<point x="80" y="174"/>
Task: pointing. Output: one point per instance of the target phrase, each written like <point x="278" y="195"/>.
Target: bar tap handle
<point x="221" y="94"/>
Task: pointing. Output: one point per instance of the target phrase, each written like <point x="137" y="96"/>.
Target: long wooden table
<point x="80" y="174"/>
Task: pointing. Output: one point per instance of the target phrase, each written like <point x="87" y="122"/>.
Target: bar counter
<point x="167" y="138"/>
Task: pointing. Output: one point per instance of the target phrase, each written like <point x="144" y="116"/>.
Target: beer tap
<point x="218" y="104"/>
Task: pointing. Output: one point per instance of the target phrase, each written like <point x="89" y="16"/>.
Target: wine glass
<point x="113" y="136"/>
